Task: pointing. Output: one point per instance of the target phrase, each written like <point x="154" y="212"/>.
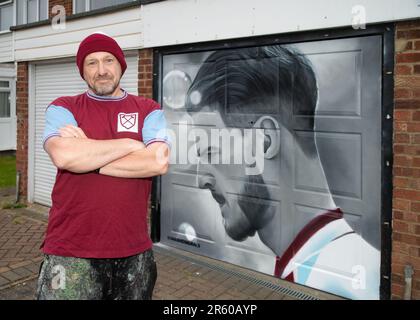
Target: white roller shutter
<point x="52" y="81"/>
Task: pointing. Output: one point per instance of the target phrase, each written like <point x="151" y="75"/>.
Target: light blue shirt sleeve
<point x="56" y="117"/>
<point x="154" y="128"/>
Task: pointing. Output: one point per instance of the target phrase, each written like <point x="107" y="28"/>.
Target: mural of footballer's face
<point x="251" y="89"/>
<point x="237" y="192"/>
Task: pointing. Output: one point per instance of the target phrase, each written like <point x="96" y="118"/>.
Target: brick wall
<point x="22" y="126"/>
<point x="68" y="5"/>
<point x="145" y="83"/>
<point x="406" y="180"/>
<point x="145" y="87"/>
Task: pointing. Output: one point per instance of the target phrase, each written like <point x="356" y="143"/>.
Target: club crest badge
<point x="128" y="122"/>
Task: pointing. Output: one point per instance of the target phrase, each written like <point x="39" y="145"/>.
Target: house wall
<point x="406" y="181"/>
<point x="6" y="47"/>
<point x="67" y="4"/>
<point x="146" y="73"/>
<point x="248" y="18"/>
<point x="22" y="127"/>
<point x="45" y="42"/>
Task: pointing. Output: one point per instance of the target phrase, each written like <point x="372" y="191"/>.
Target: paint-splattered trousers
<point x="64" y="278"/>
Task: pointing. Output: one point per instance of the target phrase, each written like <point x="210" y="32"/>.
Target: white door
<point x="50" y="82"/>
<point x="7" y="114"/>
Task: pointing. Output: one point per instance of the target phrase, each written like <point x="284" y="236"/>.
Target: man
<point x="264" y="88"/>
<point x="106" y="144"/>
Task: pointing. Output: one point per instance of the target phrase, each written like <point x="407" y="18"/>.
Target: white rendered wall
<point x="190" y="21"/>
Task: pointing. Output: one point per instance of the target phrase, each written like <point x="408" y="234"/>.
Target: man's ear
<point x="271" y="135"/>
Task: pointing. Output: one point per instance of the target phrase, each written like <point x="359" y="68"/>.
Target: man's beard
<point x="104" y="89"/>
<point x="253" y="193"/>
<point x="256" y="213"/>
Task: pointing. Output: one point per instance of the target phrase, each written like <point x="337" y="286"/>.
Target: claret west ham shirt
<point x="93" y="215"/>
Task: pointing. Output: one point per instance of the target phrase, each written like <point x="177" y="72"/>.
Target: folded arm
<point x="148" y="162"/>
<point x="84" y="155"/>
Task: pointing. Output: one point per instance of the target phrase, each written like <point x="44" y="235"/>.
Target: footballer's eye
<point x="209" y="154"/>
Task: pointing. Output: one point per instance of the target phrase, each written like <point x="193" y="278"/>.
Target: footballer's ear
<point x="271" y="135"/>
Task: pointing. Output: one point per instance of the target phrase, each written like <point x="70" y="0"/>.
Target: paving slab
<point x="181" y="275"/>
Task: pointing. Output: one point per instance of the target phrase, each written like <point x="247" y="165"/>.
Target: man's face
<point x="102" y="72"/>
<point x="230" y="185"/>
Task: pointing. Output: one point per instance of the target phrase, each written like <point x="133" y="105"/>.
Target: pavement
<point x="181" y="275"/>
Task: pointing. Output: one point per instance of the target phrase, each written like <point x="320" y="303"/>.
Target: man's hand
<point x="70" y="131"/>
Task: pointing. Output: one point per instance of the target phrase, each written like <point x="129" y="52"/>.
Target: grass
<point x="7" y="171"/>
<point x="14" y="206"/>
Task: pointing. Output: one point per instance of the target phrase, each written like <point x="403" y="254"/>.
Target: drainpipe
<point x="408" y="273"/>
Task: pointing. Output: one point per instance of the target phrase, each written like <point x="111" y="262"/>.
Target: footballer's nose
<point x="206" y="181"/>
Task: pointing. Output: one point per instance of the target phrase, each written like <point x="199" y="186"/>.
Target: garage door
<point x="52" y="81"/>
<point x="310" y="211"/>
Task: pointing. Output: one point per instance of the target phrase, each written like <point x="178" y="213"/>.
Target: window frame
<point x="87" y="6"/>
<point x="13" y="2"/>
<point x="25" y="12"/>
<point x="9" y="90"/>
<point x="6" y="2"/>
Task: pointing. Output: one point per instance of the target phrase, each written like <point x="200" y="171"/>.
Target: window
<point x="6" y="14"/>
<point x="4" y="99"/>
<point x="88" y="5"/>
<point x="31" y="11"/>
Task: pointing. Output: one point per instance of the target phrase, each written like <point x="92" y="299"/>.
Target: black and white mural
<point x="276" y="160"/>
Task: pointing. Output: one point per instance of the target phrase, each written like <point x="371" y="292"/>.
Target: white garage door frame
<point x="43" y="196"/>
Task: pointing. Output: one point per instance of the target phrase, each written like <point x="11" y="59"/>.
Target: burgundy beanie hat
<point x="99" y="42"/>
